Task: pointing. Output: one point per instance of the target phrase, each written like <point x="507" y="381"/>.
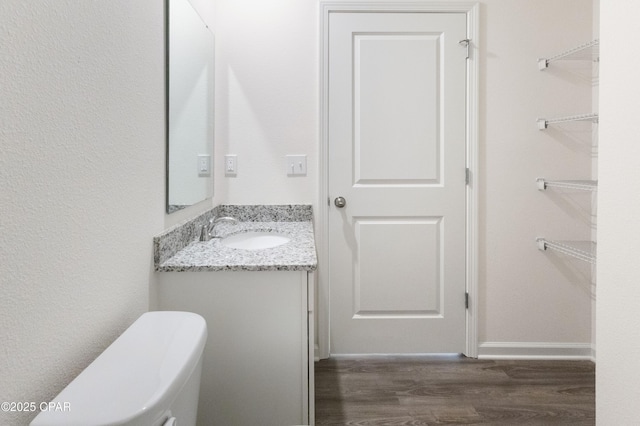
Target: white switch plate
<point x="231" y="165"/>
<point x="296" y="165"/>
<point x="204" y="165"/>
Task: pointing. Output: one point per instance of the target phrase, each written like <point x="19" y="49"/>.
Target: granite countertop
<point x="299" y="254"/>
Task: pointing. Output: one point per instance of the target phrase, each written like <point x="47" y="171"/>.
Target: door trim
<point x="471" y="9"/>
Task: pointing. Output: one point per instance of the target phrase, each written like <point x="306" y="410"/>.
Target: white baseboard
<point x="528" y="350"/>
<point x="536" y="350"/>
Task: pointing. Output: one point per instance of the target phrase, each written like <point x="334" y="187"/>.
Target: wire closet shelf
<point x="544" y="123"/>
<point x="587" y="51"/>
<point x="583" y="250"/>
<point x="582" y="185"/>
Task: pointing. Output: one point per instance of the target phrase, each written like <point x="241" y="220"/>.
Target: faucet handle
<point x="204" y="233"/>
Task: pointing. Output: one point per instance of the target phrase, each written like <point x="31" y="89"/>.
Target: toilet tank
<point x="149" y="374"/>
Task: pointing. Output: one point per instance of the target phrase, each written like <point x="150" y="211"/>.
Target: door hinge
<point x="467" y="176"/>
<point x="466" y="43"/>
<point x="466" y="300"/>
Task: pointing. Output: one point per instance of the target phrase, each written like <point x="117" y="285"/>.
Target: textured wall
<point x="81" y="183"/>
<point x="618" y="322"/>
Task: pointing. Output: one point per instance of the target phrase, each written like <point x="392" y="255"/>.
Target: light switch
<point x="204" y="165"/>
<point x="231" y="165"/>
<point x="296" y="165"/>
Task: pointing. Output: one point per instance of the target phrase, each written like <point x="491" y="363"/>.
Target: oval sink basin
<point x="255" y="240"/>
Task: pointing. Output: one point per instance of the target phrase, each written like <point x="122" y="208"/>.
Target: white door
<point x="397" y="155"/>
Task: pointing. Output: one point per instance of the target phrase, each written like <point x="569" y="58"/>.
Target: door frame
<point x="471" y="9"/>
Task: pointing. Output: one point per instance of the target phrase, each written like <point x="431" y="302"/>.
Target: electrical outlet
<point x="204" y="165"/>
<point x="231" y="165"/>
<point x="296" y="165"/>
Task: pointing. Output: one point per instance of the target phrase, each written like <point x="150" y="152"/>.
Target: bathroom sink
<point x="255" y="240"/>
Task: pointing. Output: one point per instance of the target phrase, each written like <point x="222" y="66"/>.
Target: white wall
<point x="81" y="184"/>
<point x="267" y="98"/>
<point x="618" y="322"/>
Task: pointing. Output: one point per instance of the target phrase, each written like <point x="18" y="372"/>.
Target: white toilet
<point x="150" y="376"/>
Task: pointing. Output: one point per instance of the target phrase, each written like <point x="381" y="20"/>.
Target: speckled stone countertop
<point x="178" y="249"/>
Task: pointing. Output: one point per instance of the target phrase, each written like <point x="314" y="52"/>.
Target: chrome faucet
<point x="207" y="233"/>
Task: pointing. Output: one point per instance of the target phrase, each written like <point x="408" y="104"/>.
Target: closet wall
<point x="533" y="302"/>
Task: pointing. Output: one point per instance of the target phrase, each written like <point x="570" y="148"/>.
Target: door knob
<point x="340" y="202"/>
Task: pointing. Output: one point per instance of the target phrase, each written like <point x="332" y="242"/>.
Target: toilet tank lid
<point x="137" y="378"/>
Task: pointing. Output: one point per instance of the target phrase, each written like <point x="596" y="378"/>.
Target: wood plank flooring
<point x="454" y="390"/>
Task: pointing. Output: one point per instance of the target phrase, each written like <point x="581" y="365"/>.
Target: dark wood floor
<point x="431" y="390"/>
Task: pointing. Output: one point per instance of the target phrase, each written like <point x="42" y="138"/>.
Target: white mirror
<point x="190" y="104"/>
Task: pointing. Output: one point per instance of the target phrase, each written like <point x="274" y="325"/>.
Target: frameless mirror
<point x="189" y="106"/>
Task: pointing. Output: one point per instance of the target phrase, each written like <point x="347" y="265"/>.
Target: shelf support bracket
<point x="542" y="185"/>
<point x="542" y="244"/>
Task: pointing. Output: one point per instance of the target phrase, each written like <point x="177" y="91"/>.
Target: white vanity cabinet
<point x="258" y="361"/>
